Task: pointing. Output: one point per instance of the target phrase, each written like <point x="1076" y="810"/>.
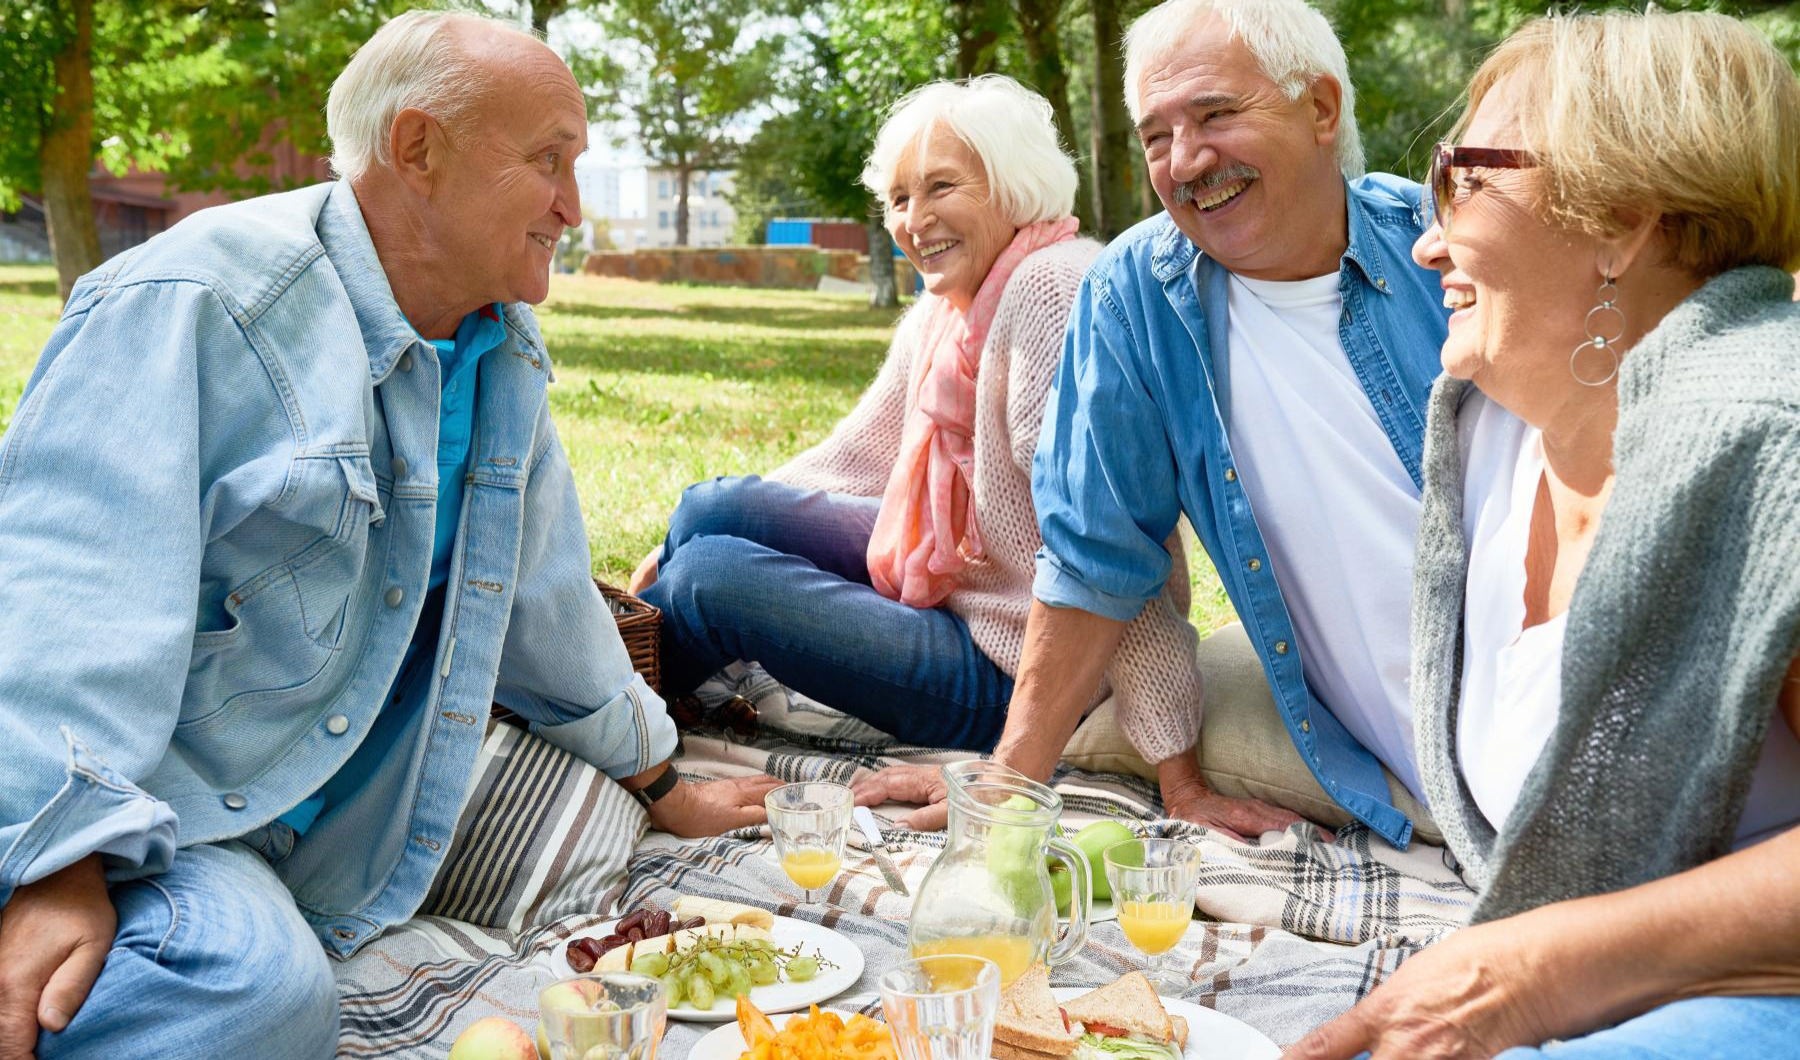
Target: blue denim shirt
<point x="217" y="502"/>
<point x="1136" y="434"/>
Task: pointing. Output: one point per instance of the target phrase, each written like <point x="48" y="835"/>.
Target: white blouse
<point x="1512" y="676"/>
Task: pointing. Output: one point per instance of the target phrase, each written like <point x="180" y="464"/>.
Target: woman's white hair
<point x="414" y="61"/>
<point x="1008" y="126"/>
<point x="1289" y="39"/>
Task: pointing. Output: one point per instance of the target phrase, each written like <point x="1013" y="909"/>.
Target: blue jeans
<point x="1702" y="1028"/>
<point x="774" y="574"/>
<point x="211" y="959"/>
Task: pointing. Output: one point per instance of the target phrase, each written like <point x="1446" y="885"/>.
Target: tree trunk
<point x="1043" y="48"/>
<point x="683" y="173"/>
<point x="977" y="24"/>
<point x="886" y="294"/>
<point x="542" y="11"/>
<point x="67" y="153"/>
<point x="1112" y="140"/>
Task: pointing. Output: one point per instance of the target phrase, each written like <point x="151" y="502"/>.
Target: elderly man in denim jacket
<point x="282" y="512"/>
<point x="1258" y="358"/>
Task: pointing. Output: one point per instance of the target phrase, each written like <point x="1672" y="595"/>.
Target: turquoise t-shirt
<point x="458" y="360"/>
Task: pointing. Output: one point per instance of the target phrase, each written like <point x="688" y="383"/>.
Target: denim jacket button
<point x="399" y="466"/>
<point x="1281" y="647"/>
<point x="1305" y="726"/>
<point x="1231" y="474"/>
<point x="337" y="725"/>
<point x="405" y="364"/>
<point x="234" y="801"/>
<point x="1254" y="564"/>
<point x="394" y="596"/>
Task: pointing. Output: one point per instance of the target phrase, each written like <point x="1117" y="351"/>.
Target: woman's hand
<point x="645" y="575"/>
<point x="1478" y="993"/>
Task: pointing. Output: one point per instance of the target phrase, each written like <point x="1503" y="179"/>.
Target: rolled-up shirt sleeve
<point x="564" y="668"/>
<point x="1103" y="478"/>
<point x="101" y="531"/>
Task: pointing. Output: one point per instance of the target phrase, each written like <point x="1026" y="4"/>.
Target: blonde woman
<point x="1605" y="637"/>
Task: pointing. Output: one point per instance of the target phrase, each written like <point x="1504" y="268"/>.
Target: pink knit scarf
<point x="926" y="531"/>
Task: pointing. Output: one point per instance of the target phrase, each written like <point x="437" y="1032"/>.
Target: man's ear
<point x="416" y="144"/>
<point x="1327" y="99"/>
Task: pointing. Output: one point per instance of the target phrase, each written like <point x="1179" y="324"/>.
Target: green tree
<point x="684" y="74"/>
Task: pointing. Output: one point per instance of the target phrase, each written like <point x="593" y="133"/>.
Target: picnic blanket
<point x="1293" y="930"/>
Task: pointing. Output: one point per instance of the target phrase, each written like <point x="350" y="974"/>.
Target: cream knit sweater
<point x="1154" y="675"/>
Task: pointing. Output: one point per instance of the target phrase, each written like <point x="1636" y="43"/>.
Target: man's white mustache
<point x="1196" y="188"/>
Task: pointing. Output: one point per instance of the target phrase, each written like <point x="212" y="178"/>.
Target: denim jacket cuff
<point x="623" y="736"/>
<point x="1056" y="586"/>
<point x="96" y="811"/>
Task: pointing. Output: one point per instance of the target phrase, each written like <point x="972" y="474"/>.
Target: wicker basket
<point x="640" y="627"/>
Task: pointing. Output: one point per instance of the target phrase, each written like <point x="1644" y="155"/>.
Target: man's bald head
<point x="442" y="63"/>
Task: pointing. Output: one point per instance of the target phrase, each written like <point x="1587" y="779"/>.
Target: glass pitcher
<point x="988" y="894"/>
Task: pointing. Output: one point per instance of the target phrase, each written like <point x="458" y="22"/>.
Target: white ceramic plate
<point x="1210" y="1033"/>
<point x="815" y="940"/>
<point x="727" y="1042"/>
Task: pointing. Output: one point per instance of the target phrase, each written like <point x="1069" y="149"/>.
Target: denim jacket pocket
<point x="328" y="571"/>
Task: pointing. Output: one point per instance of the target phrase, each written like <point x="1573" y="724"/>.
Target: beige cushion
<point x="1245" y="750"/>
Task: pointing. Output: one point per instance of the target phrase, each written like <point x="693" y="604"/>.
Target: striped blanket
<point x="1292" y="931"/>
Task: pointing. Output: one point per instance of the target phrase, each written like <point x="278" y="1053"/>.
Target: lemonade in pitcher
<point x="1012" y="953"/>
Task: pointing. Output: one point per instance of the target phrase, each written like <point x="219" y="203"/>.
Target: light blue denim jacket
<point x="217" y="501"/>
<point x="1136" y="434"/>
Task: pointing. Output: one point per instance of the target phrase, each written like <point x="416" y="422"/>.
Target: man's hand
<point x="54" y="937"/>
<point x="645" y="575"/>
<point x="1475" y="994"/>
<point x="1186" y="796"/>
<point x="923" y="785"/>
<point x="692" y="810"/>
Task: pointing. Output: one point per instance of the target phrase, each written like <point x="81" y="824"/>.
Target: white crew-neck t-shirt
<point x="1512" y="677"/>
<point x="1335" y="506"/>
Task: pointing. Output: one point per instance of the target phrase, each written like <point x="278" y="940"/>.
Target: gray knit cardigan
<point x="1682" y="623"/>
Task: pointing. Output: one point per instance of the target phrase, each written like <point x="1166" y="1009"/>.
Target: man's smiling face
<point x="1246" y="173"/>
<point x="508" y="190"/>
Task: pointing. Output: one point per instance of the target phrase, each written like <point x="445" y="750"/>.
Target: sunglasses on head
<point x="1440" y="184"/>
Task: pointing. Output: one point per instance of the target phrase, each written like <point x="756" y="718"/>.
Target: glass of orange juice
<point x="1153" y="884"/>
<point x="809" y="821"/>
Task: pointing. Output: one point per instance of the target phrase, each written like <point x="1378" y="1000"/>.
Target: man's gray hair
<point x="1008" y="126"/>
<point x="415" y="62"/>
<point x="1289" y="39"/>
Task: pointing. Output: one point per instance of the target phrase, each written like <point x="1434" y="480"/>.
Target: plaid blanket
<point x="1293" y="930"/>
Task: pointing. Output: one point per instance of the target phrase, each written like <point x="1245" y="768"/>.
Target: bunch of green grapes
<point x="713" y="968"/>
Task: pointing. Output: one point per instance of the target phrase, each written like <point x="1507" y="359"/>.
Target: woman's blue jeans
<point x="773" y="574"/>
<point x="1701" y="1028"/>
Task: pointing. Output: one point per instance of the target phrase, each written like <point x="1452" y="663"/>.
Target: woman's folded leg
<point x="830" y="529"/>
<point x="1701" y="1028"/>
<point x="913" y="673"/>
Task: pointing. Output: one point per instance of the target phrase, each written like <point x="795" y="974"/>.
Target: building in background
<point x="711" y="220"/>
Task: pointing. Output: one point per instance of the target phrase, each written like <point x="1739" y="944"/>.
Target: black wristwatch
<point x="663" y="784"/>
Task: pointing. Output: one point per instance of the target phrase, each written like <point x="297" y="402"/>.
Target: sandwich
<point x="1125" y="1021"/>
<point x="1122" y="1021"/>
<point x="1029" y="1025"/>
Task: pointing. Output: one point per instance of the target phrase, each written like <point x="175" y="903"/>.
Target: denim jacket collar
<point x="1174" y="252"/>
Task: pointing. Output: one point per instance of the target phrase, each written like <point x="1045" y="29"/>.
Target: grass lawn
<point x="656" y="387"/>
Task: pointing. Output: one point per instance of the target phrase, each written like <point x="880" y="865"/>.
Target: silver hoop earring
<point x="1604" y="316"/>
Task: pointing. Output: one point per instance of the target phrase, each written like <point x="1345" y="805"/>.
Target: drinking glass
<point x="943" y="1007"/>
<point x="1153" y="884"/>
<point x="809" y="821"/>
<point x="606" y="1016"/>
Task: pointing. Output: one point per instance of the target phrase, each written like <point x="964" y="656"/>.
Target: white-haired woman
<point x="887" y="571"/>
<point x="1606" y="604"/>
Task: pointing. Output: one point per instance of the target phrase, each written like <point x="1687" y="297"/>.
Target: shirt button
<point x="399" y="466"/>
<point x="1281" y="647"/>
<point x="234" y="801"/>
<point x="337" y="725"/>
<point x="1231" y="474"/>
<point x="1254" y="564"/>
<point x="394" y="596"/>
<point x="1305" y="726"/>
<point x="405" y="362"/>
